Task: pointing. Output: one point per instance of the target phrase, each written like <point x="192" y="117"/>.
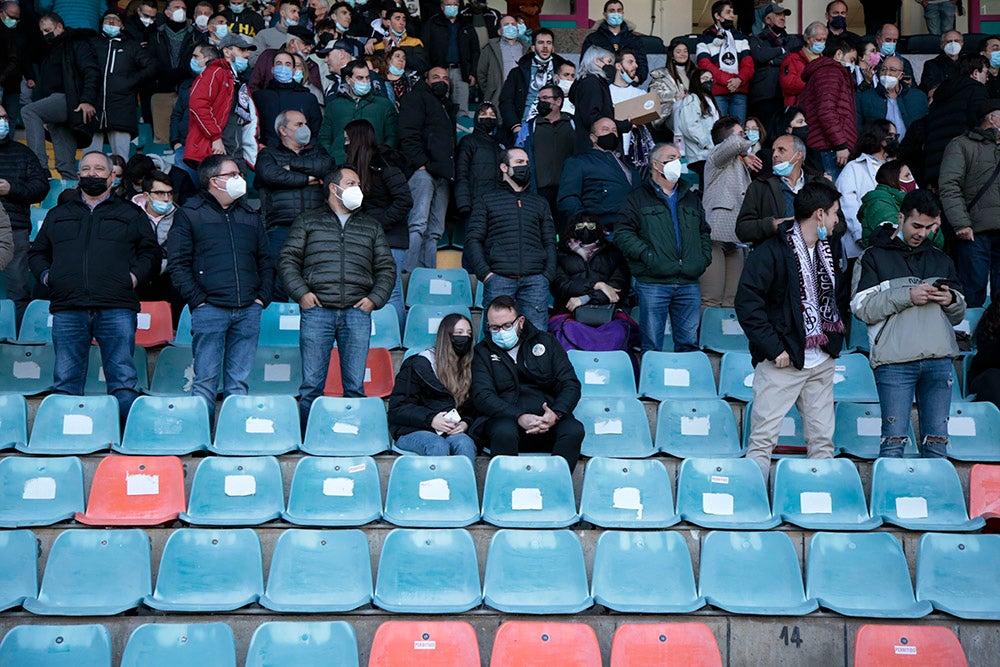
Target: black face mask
<point x="800" y="132"/>
<point x="892" y="147"/>
<point x="609" y="71"/>
<point x="838" y="22"/>
<point x="49" y="37"/>
<point x="93" y="185"/>
<point x="461" y="345"/>
<point x="728" y="25"/>
<point x="440" y="90"/>
<point x="520" y="174"/>
<point x="586" y="236"/>
<point x="486" y="125"/>
<point x="544" y="108"/>
<point x="608" y="142"/>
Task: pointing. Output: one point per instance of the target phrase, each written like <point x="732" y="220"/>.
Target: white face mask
<point x="201" y="21"/>
<point x="146" y="21"/>
<point x="889" y="82"/>
<point x="236" y="187"/>
<point x="672" y="170"/>
<point x="178" y="16"/>
<point x="952" y="49"/>
<point x="566" y="84"/>
<point x="351" y="197"/>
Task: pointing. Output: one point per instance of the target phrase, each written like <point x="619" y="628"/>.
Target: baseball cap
<point x="775" y="8"/>
<point x="238" y="40"/>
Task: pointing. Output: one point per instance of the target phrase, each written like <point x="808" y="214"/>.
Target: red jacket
<point x="828" y="103"/>
<point x="211" y="103"/>
<point x="790" y="76"/>
<point x="708" y="52"/>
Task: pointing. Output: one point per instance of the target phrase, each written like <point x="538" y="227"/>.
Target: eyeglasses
<point x="586" y="225"/>
<point x="497" y="328"/>
<point x="231" y="174"/>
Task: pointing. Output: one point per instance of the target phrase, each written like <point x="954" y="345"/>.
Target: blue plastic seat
<point x="346" y="427"/>
<point x="236" y="491"/>
<point x="257" y="426"/>
<point x="698" y="428"/>
<point x="958" y="574"/>
<point x="858" y="431"/>
<point x="172" y="644"/>
<point x="422" y="323"/>
<point x="821" y="494"/>
<point x="385" y="329"/>
<point x="676" y="375"/>
<point x="858" y="340"/>
<point x="969" y="323"/>
<point x="604" y="374"/>
<point x="96" y="385"/>
<point x="299" y="580"/>
<point x="721" y="331"/>
<point x="166" y="425"/>
<point x="18" y="568"/>
<point x="752" y="573"/>
<point x="439" y="287"/>
<point x="620" y="493"/>
<point x="276" y="370"/>
<point x="791" y="441"/>
<point x="39" y="491"/>
<point x="724" y="493"/>
<point x="972" y="432"/>
<point x="74" y="425"/>
<point x="736" y="376"/>
<point x="614" y="427"/>
<point x="861" y="575"/>
<point x="332" y="491"/>
<point x="529" y="492"/>
<point x="13" y="421"/>
<point x="184" y="334"/>
<point x="26" y="369"/>
<point x="57" y="646"/>
<point x="623" y="579"/>
<point x="279" y="325"/>
<point x="94" y="573"/>
<point x="536" y="572"/>
<point x="37" y="218"/>
<point x="853" y="380"/>
<point x="208" y="571"/>
<point x="174" y="372"/>
<point x="432" y="492"/>
<point x="36" y="325"/>
<point x="920" y="494"/>
<point x="297" y="644"/>
<point x="428" y="571"/>
<point x="8" y="322"/>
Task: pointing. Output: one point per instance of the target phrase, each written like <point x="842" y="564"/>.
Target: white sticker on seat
<point x="911" y="508"/>
<point x="526" y="499"/>
<point x="100" y="374"/>
<point x="596" y="376"/>
<point x="627" y="498"/>
<point x="962" y="426"/>
<point x="434" y="489"/>
<point x="373" y="327"/>
<point x="39" y="488"/>
<point x="869" y="426"/>
<point x="748" y="381"/>
<point x="143" y="321"/>
<point x="259" y="425"/>
<point x="815" y="502"/>
<point x="433" y="323"/>
<point x="696" y="425"/>
<point x="142" y="485"/>
<point x="27" y="370"/>
<point x="345" y="428"/>
<point x="719" y="504"/>
<point x="338" y="486"/>
<point x="240" y="485"/>
<point x="289" y="322"/>
<point x="48" y="322"/>
<point x="277" y="372"/>
<point x="787" y="427"/>
<point x="676" y="377"/>
<point x="608" y="427"/>
<point x="731" y="327"/>
<point x="78" y="425"/>
<point x="440" y="287"/>
<point x="963" y="327"/>
<point x="368" y="375"/>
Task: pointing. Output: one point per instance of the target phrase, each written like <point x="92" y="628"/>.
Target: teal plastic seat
<point x="36" y="325"/>
<point x="94" y="573"/>
<point x="166" y="425"/>
<point x="18" y="568"/>
<point x="173" y="644"/>
<point x="428" y="571"/>
<point x="96" y="385"/>
<point x="26" y="369"/>
<point x="621" y="493"/>
<point x="736" y="376"/>
<point x="858" y="431"/>
<point x="676" y="375"/>
<point x="752" y="573"/>
<point x="173" y="374"/>
<point x="57" y="646"/>
<point x="724" y="493"/>
<point x="334" y="491"/>
<point x="184" y="334"/>
<point x="422" y="323"/>
<point x="972" y="432"/>
<point x="439" y="287"/>
<point x="624" y="563"/>
<point x="721" y="331"/>
<point x="257" y="426"/>
<point x="861" y="575"/>
<point x="13" y="421"/>
<point x="821" y="494"/>
<point x="858" y="340"/>
<point x="295" y="644"/>
<point x="791" y="441"/>
<point x="614" y="427"/>
<point x="8" y="321"/>
<point x="920" y="494"/>
<point x="536" y="572"/>
<point x="853" y="380"/>
<point x="698" y="428"/>
<point x="969" y="323"/>
<point x="39" y="491"/>
<point x="276" y="370"/>
<point x="279" y="325"/>
<point x="37" y="218"/>
<point x="385" y="329"/>
<point x="604" y="374"/>
<point x="205" y="570"/>
<point x="74" y="425"/>
<point x="346" y="427"/>
<point x="432" y="492"/>
<point x="235" y="491"/>
<point x="958" y="574"/>
<point x="299" y="580"/>
<point x="529" y="492"/>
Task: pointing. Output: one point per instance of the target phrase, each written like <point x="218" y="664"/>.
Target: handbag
<point x="594" y="316"/>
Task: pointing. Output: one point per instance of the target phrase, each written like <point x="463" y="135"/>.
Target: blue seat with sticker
<point x="614" y="426"/>
<point x="698" y="428"/>
<point x="625" y="493"/>
<point x="334" y="491"/>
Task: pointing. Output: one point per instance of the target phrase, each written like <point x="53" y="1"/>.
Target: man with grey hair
<point x="795" y="62"/>
<point x="945" y="64"/>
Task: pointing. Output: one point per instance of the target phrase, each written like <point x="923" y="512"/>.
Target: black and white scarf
<point x="817" y="289"/>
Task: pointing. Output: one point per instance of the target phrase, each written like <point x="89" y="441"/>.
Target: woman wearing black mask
<point x="878" y="142"/>
<point x="694" y="117"/>
<point x="430" y="408"/>
<point x="476" y="160"/>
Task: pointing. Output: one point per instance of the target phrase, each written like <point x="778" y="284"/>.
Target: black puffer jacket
<point x="29" y="183"/>
<point x="389" y="201"/>
<point x="514" y="94"/>
<point x="419" y="396"/>
<point x="436" y="36"/>
<point x="511" y="234"/>
<point x="577" y="277"/>
<point x="124" y="66"/>
<point x="955" y="109"/>
<point x="477" y="169"/>
<point x="427" y="131"/>
<point x="283" y="178"/>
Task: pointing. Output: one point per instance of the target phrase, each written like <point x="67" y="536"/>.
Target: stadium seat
<point x="173" y="374"/>
<point x="154" y="325"/>
<point x="379" y="376"/>
<point x="724" y="493"/>
<point x="26" y="369"/>
<point x="790" y="438"/>
<point x="424" y="643"/>
<point x="39" y="492"/>
<point x="135" y="491"/>
<point x="299" y="644"/>
<point x="257" y="426"/>
<point x="972" y="432"/>
<point x="439" y="287"/>
<point x="385" y="329"/>
<point x="821" y="494"/>
<point x="94" y="573"/>
<point x="96" y="385"/>
<point x="432" y="492"/>
<point x="858" y="431"/>
<point x="857" y="341"/>
<point x="172" y="644"/>
<point x="984" y="491"/>
<point x="529" y="492"/>
<point x="422" y="323"/>
<point x="698" y="428"/>
<point x="57" y="646"/>
<point x="920" y="494"/>
<point x="616" y="427"/>
<point x="165" y="425"/>
<point x="428" y="571"/>
<point x="56" y="186"/>
<point x="8" y="322"/>
<point x="18" y="568"/>
<point x="208" y="571"/>
<point x="235" y="491"/>
<point x="604" y="374"/>
<point x="907" y="646"/>
<point x="184" y="335"/>
<point x="853" y="380"/>
<point x="276" y="370"/>
<point x="969" y="323"/>
<point x="736" y="376"/>
<point x="666" y="644"/>
<point x="37" y="218"/>
<point x="721" y="331"/>
<point x="36" y="325"/>
<point x="13" y="421"/>
<point x="331" y="491"/>
<point x="74" y="425"/>
<point x="861" y="575"/>
<point x="752" y="573"/>
<point x="676" y="375"/>
<point x="536" y="572"/>
<point x="279" y="325"/>
<point x="299" y="579"/>
<point x="623" y="563"/>
<point x="620" y="493"/>
<point x="527" y="644"/>
<point x="346" y="427"/>
<point x="958" y="574"/>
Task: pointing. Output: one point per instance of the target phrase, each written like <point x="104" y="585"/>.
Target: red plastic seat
<point x="543" y="644"/>
<point x="984" y="491"/>
<point x="135" y="491"/>
<point x="665" y="644"/>
<point x="907" y="646"/>
<point x="154" y="325"/>
<point x="379" y="377"/>
<point x="424" y="644"/>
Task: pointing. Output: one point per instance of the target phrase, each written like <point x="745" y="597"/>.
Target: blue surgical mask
<point x="753" y="136"/>
<point x="111" y="30"/>
<point x="510" y="31"/>
<point x="362" y="88"/>
<point x="236" y="9"/>
<point x="888" y="49"/>
<point x="995" y="59"/>
<point x="283" y="73"/>
<point x="115" y="183"/>
<point x="241" y="64"/>
<point x="522" y="28"/>
<point x="506" y="339"/>
<point x="196" y="66"/>
<point x="397" y="35"/>
<point x="451" y="11"/>
<point x="4" y="128"/>
<point x="221" y="30"/>
<point x="395" y="71"/>
<point x="626" y="78"/>
<point x="821" y="232"/>
<point x="291" y="22"/>
<point x="615" y="19"/>
<point x="818" y="47"/>
<point x="340" y="28"/>
<point x="783" y="169"/>
<point x="161" y="207"/>
<point x="297" y="76"/>
<point x="9" y="22"/>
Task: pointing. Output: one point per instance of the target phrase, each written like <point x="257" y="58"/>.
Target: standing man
<point x="945" y="64"/>
<point x="891" y="98"/>
<point x="836" y="23"/>
<point x="614" y="34"/>
<point x="357" y="101"/>
<point x="173" y="45"/>
<point x="452" y="44"/>
<point x="597" y="181"/>
<point x="726" y="54"/>
<point x="500" y="55"/>
<point x="242" y="19"/>
<point x="336" y="53"/>
<point x="549" y="141"/>
<point x="275" y="37"/>
<point x="534" y="71"/>
<point x="768" y="49"/>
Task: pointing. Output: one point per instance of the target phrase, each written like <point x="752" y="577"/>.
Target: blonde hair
<point x="455" y="372"/>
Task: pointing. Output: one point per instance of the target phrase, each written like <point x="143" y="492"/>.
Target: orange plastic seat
<point x="135" y="491"/>
<point x="907" y="646"/>
<point x="984" y="491"/>
<point x="424" y="644"/>
<point x="665" y="644"/>
<point x="154" y="325"/>
<point x="531" y="644"/>
<point x="379" y="378"/>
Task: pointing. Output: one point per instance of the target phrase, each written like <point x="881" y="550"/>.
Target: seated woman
<point x="984" y="371"/>
<point x="430" y="408"/>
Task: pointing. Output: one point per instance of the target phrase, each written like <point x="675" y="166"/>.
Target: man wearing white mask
<point x="337" y="265"/>
<point x="173" y="47"/>
<point x="565" y="76"/>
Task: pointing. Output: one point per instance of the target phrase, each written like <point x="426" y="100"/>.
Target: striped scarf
<point x="817" y="289"/>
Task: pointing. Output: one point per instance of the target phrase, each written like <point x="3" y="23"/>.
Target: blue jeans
<point x="930" y="380"/>
<point x="114" y="331"/>
<point x="223" y="340"/>
<point x="682" y="303"/>
<point x="275" y="239"/>
<point x="318" y="329"/>
<point x="396" y="298"/>
<point x="977" y="262"/>
<point x="940" y="17"/>
<point x="426" y="221"/>
<point x="429" y="443"/>
<point x="734" y="104"/>
<point x="530" y="292"/>
<point x="829" y="159"/>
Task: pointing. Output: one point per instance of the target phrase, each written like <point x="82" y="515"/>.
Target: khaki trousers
<point x="722" y="277"/>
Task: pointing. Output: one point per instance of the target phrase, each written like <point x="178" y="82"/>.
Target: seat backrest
<point x="167" y="425"/>
<point x="439" y="287"/>
<point x="689" y="644"/>
<point x="257" y="425"/>
<point x="972" y="431"/>
<point x="39" y="492"/>
<point x="135" y="491"/>
<point x="26" y="369"/>
<point x="620" y="493"/>
<point x="723" y="493"/>
<point x="36" y="324"/>
<point x="184" y="334"/>
<point x="235" y="491"/>
<point x="721" y="331"/>
<point x="614" y="426"/>
<point x="859" y="430"/>
<point x="279" y="325"/>
<point x="907" y="646"/>
<point x="820" y="494"/>
<point x="604" y="374"/>
<point x="296" y="643"/>
<point x="454" y="644"/>
<point x="853" y="380"/>
<point x="346" y="427"/>
<point x="334" y="491"/>
<point x="432" y="492"/>
<point x="858" y="339"/>
<point x="18" y="567"/>
<point x="153" y="324"/>
<point x="736" y="376"/>
<point x="276" y="370"/>
<point x="75" y="425"/>
<point x="694" y="428"/>
<point x="533" y="644"/>
<point x="676" y="375"/>
<point x="422" y="322"/>
<point x="174" y="371"/>
<point x="529" y="491"/>
<point x="984" y="491"/>
<point x="915" y="493"/>
<point x="198" y="564"/>
<point x="385" y="328"/>
<point x="57" y="646"/>
<point x="379" y="376"/>
<point x="8" y="322"/>
<point x="13" y="421"/>
<point x="163" y="644"/>
<point x="957" y="574"/>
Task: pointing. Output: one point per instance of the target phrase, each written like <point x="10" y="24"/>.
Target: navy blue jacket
<point x="594" y="182"/>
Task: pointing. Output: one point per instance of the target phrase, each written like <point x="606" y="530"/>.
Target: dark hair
<point x="564" y="64"/>
<point x="137" y="168"/>
<point x="781" y="121"/>
<point x="348" y="69"/>
<point x="872" y="136"/>
<point x="584" y="217"/>
<point x="362" y="149"/>
<point x="211" y="167"/>
<point x="760" y="128"/>
<point x="922" y="202"/>
<point x="621" y="53"/>
<point x="210" y="51"/>
<point x="336" y="176"/>
<point x="505" y="154"/>
<point x="613" y="2"/>
<point x="503" y="302"/>
<point x="888" y="173"/>
<point x="487" y="106"/>
<point x="813" y="196"/>
<point x="830" y="5"/>
<point x="717" y="7"/>
<point x="337" y="5"/>
<point x="396" y="9"/>
<point x="152" y="4"/>
<point x="971" y="62"/>
<point x="282" y="3"/>
<point x="555" y="90"/>
<point x="52" y="17"/>
<point x="118" y="161"/>
<point x="542" y="31"/>
<point x="838" y="44"/>
<point x="723" y="128"/>
<point x="454" y="372"/>
<point x="155" y="176"/>
<point x="671" y="65"/>
<point x="704" y="96"/>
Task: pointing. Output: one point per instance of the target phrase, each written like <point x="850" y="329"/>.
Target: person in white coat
<point x="694" y="117"/>
<point x="878" y="142"/>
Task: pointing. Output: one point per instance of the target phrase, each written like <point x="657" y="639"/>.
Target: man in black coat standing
<point x="452" y="43"/>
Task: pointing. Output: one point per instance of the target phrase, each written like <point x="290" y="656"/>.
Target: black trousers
<point x="505" y="437"/>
